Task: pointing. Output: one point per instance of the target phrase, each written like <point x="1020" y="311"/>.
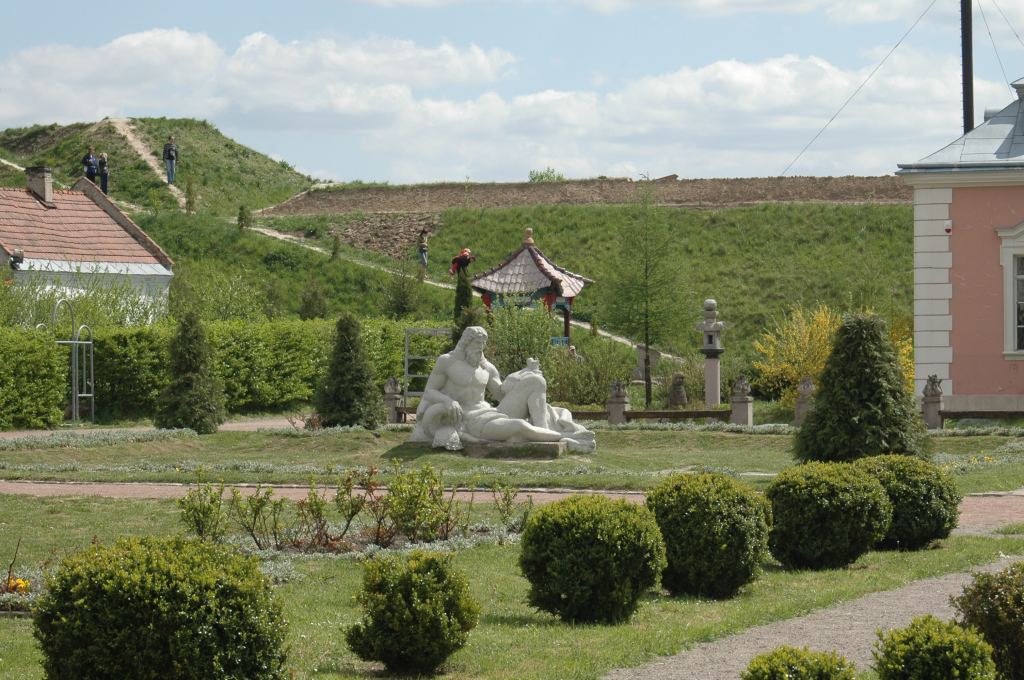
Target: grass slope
<point x="247" y="275"/>
<point x="61" y="147"/>
<point x="755" y="261"/>
<point x="225" y="174"/>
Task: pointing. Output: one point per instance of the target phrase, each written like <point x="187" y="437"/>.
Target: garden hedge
<point x="34" y="380"/>
<point x="264" y="366"/>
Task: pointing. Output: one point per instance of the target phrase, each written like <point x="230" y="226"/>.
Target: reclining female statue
<point x="454" y="410"/>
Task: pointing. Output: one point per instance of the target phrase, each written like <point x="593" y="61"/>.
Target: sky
<point x="408" y="91"/>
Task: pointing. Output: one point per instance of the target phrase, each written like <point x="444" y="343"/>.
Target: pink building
<point x="969" y="265"/>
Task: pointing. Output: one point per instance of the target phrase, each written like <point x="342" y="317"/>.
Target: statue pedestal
<point x="546" y="450"/>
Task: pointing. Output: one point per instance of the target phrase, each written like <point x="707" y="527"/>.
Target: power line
<point x="1008" y="22"/>
<point x="994" y="48"/>
<point x="859" y="87"/>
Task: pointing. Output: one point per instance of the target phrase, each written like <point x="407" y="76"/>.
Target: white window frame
<point x="1010" y="248"/>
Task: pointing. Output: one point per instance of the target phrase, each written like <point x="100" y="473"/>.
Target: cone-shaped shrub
<point x="348" y="396"/>
<point x="195" y="397"/>
<point x="930" y="648"/>
<point x="417" y="612"/>
<point x="790" y="663"/>
<point x="150" y="609"/>
<point x="925" y="500"/>
<point x="825" y="515"/>
<point x="862" y="407"/>
<point x="715" y="531"/>
<point x="589" y="558"/>
<point x="463" y="295"/>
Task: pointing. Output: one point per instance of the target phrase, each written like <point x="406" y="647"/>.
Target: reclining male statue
<point x="454" y="411"/>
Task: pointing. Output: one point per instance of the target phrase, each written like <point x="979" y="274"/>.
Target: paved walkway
<point x="848" y="628"/>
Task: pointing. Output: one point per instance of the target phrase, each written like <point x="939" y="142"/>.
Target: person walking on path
<point x="171" y="158"/>
<point x="90" y="165"/>
<point x="104" y="172"/>
<point x="421" y="245"/>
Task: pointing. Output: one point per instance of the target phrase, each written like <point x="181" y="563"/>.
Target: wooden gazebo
<point x="527" y="277"/>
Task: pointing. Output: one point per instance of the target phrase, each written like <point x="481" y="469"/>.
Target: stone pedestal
<point x="804" y="401"/>
<point x="932" y="403"/>
<point x="742" y="403"/>
<point x="618" y="404"/>
<point x="712" y="382"/>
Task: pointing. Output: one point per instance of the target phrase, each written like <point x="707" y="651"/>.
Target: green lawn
<point x="512" y="640"/>
<point x="625" y="459"/>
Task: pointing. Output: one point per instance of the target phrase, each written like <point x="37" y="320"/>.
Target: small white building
<point x="77" y="237"/>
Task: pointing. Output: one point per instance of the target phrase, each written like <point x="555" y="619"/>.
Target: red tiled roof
<point x="76" y="230"/>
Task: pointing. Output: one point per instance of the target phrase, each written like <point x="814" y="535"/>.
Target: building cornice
<point x="952" y="179"/>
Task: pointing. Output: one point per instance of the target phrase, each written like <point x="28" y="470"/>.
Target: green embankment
<point x="225" y="174"/>
<point x="756" y="261"/>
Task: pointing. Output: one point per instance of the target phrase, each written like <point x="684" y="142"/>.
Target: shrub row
<point x="262" y="366"/>
<point x="34" y="380"/>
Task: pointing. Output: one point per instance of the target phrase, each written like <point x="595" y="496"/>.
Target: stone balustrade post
<point x="618" y="404"/>
<point x="392" y="399"/>
<point x="931" y="405"/>
<point x="804" y="400"/>
<point x="742" y="403"/>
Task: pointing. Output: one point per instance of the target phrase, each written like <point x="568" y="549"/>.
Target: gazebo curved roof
<point x="527" y="270"/>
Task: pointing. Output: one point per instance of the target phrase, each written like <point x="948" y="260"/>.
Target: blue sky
<point x="430" y="90"/>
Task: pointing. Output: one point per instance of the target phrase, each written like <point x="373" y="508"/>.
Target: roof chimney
<point x="40" y="183"/>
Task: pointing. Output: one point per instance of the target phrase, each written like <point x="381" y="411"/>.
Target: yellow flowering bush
<point x="798" y="346"/>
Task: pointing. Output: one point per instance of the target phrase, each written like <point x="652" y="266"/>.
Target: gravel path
<point x="848" y="628"/>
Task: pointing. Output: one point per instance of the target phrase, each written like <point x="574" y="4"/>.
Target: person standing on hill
<point x="104" y="172"/>
<point x="171" y="158"/>
<point x="421" y="245"/>
<point x="90" y="165"/>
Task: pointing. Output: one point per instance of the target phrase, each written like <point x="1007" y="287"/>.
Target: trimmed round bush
<point x="589" y="558"/>
<point x="994" y="604"/>
<point x="417" y="612"/>
<point x="862" y="407"/>
<point x="790" y="663"/>
<point x="715" y="531"/>
<point x="826" y="515"/>
<point x="150" y="608"/>
<point x="930" y="648"/>
<point x="925" y="500"/>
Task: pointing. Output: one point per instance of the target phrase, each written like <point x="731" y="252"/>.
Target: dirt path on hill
<point x="11" y="165"/>
<point x="124" y="127"/>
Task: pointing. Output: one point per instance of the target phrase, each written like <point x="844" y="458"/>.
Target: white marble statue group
<point x="454" y="410"/>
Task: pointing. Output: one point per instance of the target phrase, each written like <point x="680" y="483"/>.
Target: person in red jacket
<point x="461" y="261"/>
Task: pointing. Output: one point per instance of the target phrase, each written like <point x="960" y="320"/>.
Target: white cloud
<point x="387" y="97"/>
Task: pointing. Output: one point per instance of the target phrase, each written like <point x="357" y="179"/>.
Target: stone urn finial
<point x="528" y="239"/>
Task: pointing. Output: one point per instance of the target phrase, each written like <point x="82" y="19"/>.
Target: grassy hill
<point x="61" y="147"/>
<point x="225" y="174"/>
<point x="234" y="274"/>
<point x="756" y="261"/>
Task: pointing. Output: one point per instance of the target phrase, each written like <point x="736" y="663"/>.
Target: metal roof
<point x="995" y="144"/>
<point x="528" y="270"/>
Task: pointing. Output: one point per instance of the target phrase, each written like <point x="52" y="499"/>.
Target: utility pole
<point x="967" y="62"/>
